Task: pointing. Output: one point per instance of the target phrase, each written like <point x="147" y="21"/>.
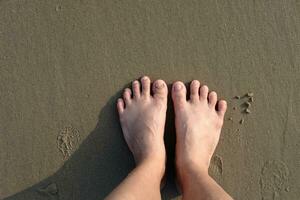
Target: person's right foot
<point x="142" y="118"/>
<point x="198" y="124"/>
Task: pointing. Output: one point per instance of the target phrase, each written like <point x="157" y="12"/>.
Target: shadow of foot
<point x="99" y="164"/>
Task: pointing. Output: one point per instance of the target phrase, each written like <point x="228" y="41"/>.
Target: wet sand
<point x="64" y="63"/>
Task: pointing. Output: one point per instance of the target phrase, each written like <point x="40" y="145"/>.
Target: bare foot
<point x="198" y="124"/>
<point x="143" y="118"/>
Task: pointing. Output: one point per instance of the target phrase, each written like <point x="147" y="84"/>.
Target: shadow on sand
<point x="100" y="163"/>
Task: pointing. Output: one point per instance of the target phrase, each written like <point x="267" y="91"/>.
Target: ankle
<point x="188" y="175"/>
<point x="155" y="165"/>
<point x="156" y="154"/>
<point x="189" y="169"/>
<point x="187" y="165"/>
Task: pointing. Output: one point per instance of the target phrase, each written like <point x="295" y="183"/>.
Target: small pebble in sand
<point x="230" y="119"/>
<point x="251" y="99"/>
<point x="237" y="97"/>
<point x="234" y="108"/>
<point x="247" y="111"/>
<point x="250" y="94"/>
<point x="242" y="121"/>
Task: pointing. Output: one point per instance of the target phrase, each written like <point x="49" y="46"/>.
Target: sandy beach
<point x="63" y="64"/>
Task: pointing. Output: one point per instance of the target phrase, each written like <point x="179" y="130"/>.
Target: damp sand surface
<point x="64" y="63"/>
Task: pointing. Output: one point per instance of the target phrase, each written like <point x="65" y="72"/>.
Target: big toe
<point x="160" y="89"/>
<point x="179" y="93"/>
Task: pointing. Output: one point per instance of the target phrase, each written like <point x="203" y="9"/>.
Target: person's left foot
<point x="142" y="118"/>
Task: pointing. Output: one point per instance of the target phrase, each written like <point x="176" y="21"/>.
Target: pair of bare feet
<point x="198" y="122"/>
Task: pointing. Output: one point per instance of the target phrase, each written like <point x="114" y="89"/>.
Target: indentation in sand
<point x="273" y="180"/>
<point x="216" y="166"/>
<point x="49" y="190"/>
<point x="67" y="140"/>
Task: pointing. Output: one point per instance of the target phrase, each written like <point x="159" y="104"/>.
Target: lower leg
<point x="197" y="184"/>
<point x="142" y="183"/>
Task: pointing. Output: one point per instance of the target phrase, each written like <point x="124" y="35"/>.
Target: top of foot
<point x="198" y="122"/>
<point x="142" y="118"/>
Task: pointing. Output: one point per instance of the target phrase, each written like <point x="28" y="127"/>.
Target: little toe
<point x="127" y="96"/>
<point x="136" y="89"/>
<point x="194" y="88"/>
<point x="222" y="107"/>
<point x="160" y="89"/>
<point x="179" y="93"/>
<point x="212" y="99"/>
<point x="203" y="92"/>
<point x="146" y="86"/>
<point x="120" y="106"/>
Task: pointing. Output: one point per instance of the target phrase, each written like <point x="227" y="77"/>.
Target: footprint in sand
<point x="67" y="140"/>
<point x="273" y="180"/>
<point x="50" y="190"/>
<point x="216" y="167"/>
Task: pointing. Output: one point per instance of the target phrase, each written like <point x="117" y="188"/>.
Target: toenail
<point x="159" y="85"/>
<point x="195" y="82"/>
<point x="178" y="87"/>
<point x="144" y="78"/>
<point x="135" y="82"/>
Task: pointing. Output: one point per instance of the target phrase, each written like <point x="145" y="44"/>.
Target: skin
<point x="198" y="124"/>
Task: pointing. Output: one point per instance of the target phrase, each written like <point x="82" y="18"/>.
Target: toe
<point x="212" y="99"/>
<point x="222" y="106"/>
<point x="120" y="106"/>
<point x="127" y="96"/>
<point x="146" y="86"/>
<point x="203" y="92"/>
<point x="194" y="88"/>
<point x="160" y="89"/>
<point x="136" y="89"/>
<point x="179" y="93"/>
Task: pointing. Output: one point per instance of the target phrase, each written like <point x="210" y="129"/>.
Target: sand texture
<point x="63" y="64"/>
